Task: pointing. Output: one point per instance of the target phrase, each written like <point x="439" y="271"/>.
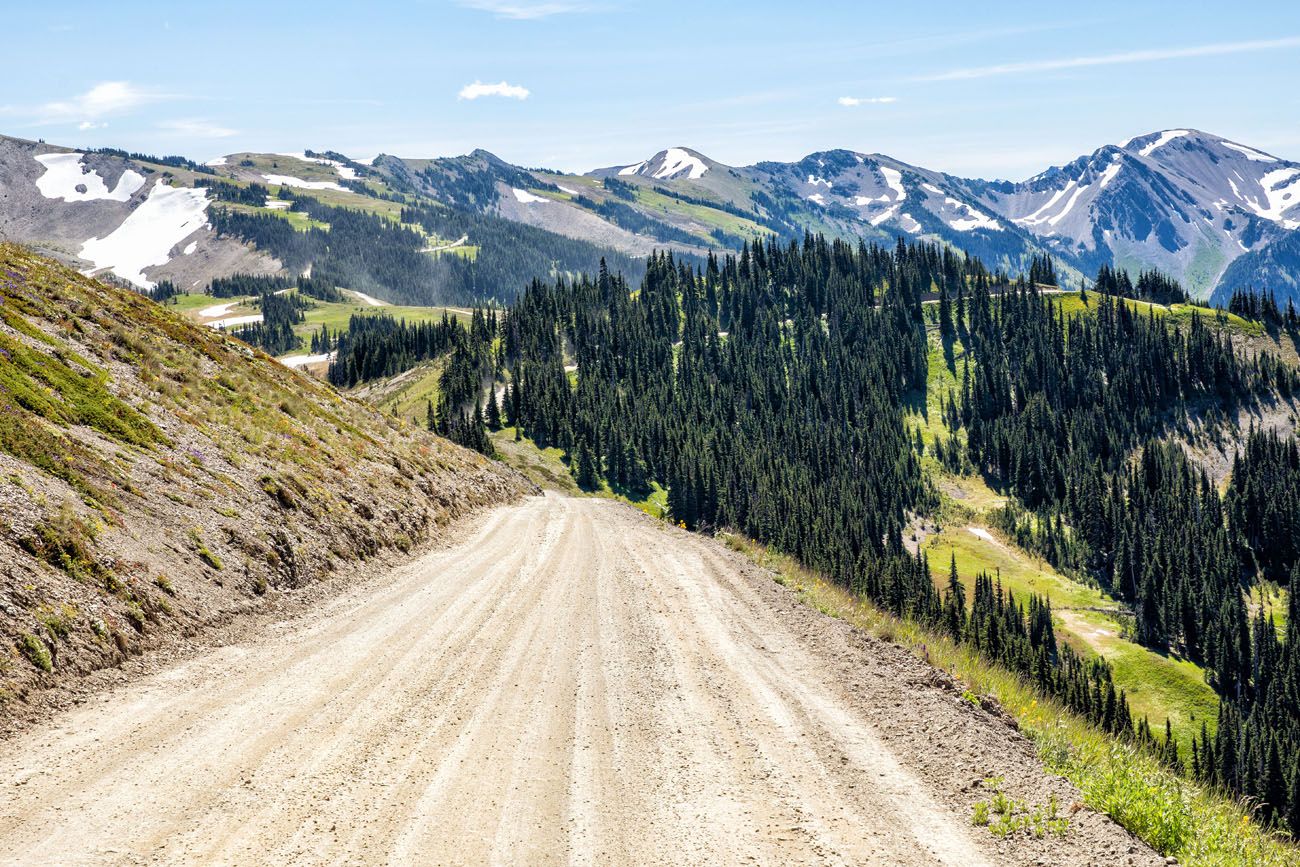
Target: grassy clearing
<point x="712" y="218"/>
<point x="544" y="467"/>
<point x="1198" y="827"/>
<point x="1158" y="685"/>
<point x="407" y="395"/>
<point x="334" y="315"/>
<point x="337" y="315"/>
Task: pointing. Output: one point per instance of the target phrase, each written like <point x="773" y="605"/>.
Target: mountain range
<point x="1213" y="213"/>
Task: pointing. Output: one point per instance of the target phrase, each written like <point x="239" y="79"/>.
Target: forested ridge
<point x="1055" y="408"/>
<point x="391" y="259"/>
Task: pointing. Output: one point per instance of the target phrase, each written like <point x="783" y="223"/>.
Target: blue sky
<point x="991" y="90"/>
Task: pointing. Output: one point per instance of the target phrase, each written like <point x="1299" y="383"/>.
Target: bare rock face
<point x="157" y="478"/>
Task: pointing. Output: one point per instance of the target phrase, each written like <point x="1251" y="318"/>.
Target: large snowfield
<point x="64" y="173"/>
<point x="146" y="237"/>
<point x="291" y="181"/>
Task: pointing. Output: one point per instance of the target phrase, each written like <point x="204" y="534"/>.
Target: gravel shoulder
<point x="571" y="683"/>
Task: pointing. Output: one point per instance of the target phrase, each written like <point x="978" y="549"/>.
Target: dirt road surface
<point x="572" y="683"/>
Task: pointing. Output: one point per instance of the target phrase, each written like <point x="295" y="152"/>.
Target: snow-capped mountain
<point x="877" y="196"/>
<point x="1184" y="201"/>
<point x="1215" y="214"/>
<point x="667" y="165"/>
<point x="1181" y="200"/>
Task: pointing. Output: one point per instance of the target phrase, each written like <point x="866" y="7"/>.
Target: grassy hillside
<point x="158" y="476"/>
<point x="1158" y="686"/>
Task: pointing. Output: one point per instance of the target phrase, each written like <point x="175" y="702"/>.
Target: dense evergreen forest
<point x="280" y="313"/>
<point x="1054" y="409"/>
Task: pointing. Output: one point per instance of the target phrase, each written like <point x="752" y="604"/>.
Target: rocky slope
<point x="157" y="477"/>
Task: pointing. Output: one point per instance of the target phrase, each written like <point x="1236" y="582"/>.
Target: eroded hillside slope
<point x="156" y="476"/>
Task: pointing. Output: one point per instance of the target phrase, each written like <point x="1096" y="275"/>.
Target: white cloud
<point x="1146" y="56"/>
<point x="501" y="88"/>
<point x="852" y="101"/>
<point x="104" y="99"/>
<point x="522" y="10"/>
<point x="196" y="128"/>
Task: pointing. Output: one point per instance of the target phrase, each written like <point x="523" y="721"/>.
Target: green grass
<point x="337" y="314"/>
<point x="1181" y="314"/>
<point x="407" y="395"/>
<point x="544" y="467"/>
<point x="193" y="303"/>
<point x="297" y="219"/>
<point x="712" y="218"/>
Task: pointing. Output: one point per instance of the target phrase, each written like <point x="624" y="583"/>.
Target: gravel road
<point x="571" y="683"/>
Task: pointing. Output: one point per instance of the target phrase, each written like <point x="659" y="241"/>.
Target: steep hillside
<point x="159" y="476"/>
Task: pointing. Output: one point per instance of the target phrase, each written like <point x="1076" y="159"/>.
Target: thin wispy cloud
<point x="854" y="101"/>
<point x="478" y="89"/>
<point x="196" y="128"/>
<point x="1124" y="57"/>
<point x="521" y="10"/>
<point x="88" y="109"/>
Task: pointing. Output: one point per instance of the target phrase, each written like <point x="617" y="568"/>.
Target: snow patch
<point x="931" y="188"/>
<point x="1037" y="216"/>
<point x="191" y="247"/>
<point x="1109" y="174"/>
<point x="235" y="321"/>
<point x="1069" y="206"/>
<point x="818" y="198"/>
<point x="677" y="161"/>
<point x="290" y="181"/>
<point x="981" y="533"/>
<point x="569" y="191"/>
<point x="894" y="180"/>
<point x="884" y="215"/>
<point x="64" y="173"/>
<point x="1165" y="138"/>
<point x="815" y="181"/>
<point x="217" y="310"/>
<point x="526" y="198"/>
<point x="1250" y="153"/>
<point x="296" y="361"/>
<point x="974" y="220"/>
<point x="369" y="300"/>
<point x="147" y="236"/>
<point x="632" y="170"/>
<point x="276" y="204"/>
<point x="909" y="223"/>
<point x="1280" y="187"/>
<point x="219" y="161"/>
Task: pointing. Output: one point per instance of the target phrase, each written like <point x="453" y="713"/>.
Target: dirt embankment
<point x="572" y="683"/>
<point x="158" y="479"/>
